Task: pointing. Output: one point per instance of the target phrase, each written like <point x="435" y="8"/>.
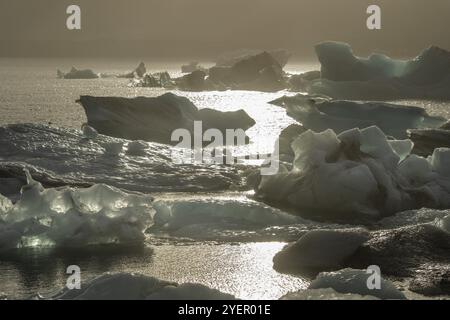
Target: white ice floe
<point x="358" y="173"/>
<point x="69" y="217"/>
<point x="125" y="286"/>
<point x="356" y="282"/>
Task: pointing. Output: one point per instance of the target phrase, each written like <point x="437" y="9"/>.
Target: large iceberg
<point x="346" y="76"/>
<point x="126" y="286"/>
<point x="321" y="113"/>
<point x="155" y="119"/>
<point x="60" y="157"/>
<point x="73" y="217"/>
<point x="357" y="175"/>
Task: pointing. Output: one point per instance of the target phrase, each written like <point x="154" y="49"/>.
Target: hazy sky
<point x="204" y="28"/>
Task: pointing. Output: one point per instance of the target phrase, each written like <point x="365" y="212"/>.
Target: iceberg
<point x="139" y="72"/>
<point x="155" y="119"/>
<point x="321" y="113"/>
<point x="73" y="217"/>
<point x="378" y="77"/>
<point x="61" y="157"/>
<point x="126" y="286"/>
<point x="228" y="59"/>
<point x="77" y="74"/>
<point x="356" y="176"/>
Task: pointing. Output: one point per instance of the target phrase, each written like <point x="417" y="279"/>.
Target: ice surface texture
<point x="319" y="114"/>
<point x="357" y="175"/>
<point x="155" y="119"/>
<point x="346" y="76"/>
<point x="125" y="286"/>
<point x="59" y="157"/>
<point x="71" y="217"/>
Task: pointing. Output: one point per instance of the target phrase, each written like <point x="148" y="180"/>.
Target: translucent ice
<point x="69" y="217"/>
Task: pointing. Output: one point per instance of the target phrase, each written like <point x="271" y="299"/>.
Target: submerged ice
<point x="73" y="217"/>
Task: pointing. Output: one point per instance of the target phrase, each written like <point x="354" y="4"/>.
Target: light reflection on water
<point x="244" y="270"/>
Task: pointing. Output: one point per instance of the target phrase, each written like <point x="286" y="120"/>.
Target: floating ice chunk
<point x="124" y="286"/>
<point x="417" y="169"/>
<point x="358" y="173"/>
<point x="5" y="205"/>
<point x="320" y="250"/>
<point x="244" y="214"/>
<point x="355" y="282"/>
<point x="320" y="113"/>
<point x="346" y="76"/>
<point x="325" y="294"/>
<point x="311" y="148"/>
<point x="156" y="118"/>
<point x="444" y="223"/>
<point x="440" y="161"/>
<point x="75" y="217"/>
<point x="88" y="131"/>
<point x="77" y="74"/>
<point x="412" y="217"/>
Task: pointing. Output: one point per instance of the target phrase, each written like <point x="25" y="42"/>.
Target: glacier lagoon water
<point x="30" y="92"/>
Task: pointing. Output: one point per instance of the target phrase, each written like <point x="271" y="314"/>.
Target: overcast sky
<point x="204" y="28"/>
